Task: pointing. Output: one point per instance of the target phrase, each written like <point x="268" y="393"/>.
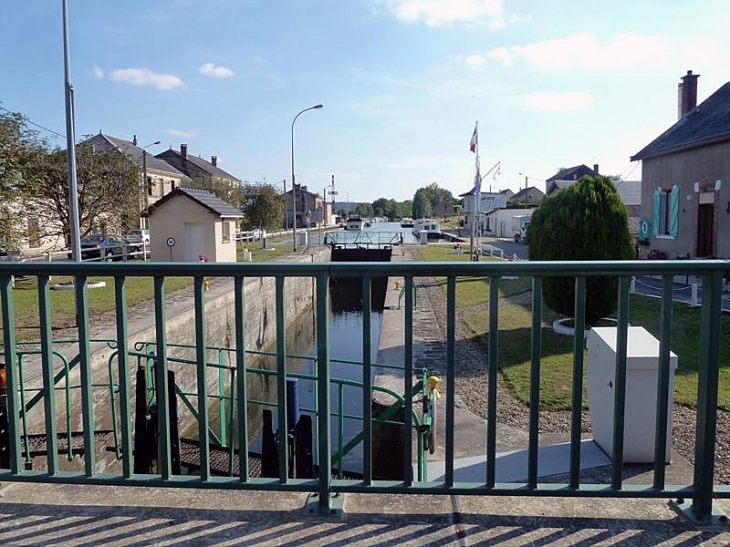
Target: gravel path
<point x="471" y="385"/>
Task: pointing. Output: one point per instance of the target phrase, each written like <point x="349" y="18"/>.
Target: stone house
<point x="188" y="223"/>
<point x="527" y="196"/>
<point x="685" y="192"/>
<point x="158" y="176"/>
<point x="310" y="206"/>
<point x="196" y="167"/>
<point x="567" y="176"/>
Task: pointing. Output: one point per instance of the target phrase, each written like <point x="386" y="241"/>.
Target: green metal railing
<point x="702" y="489"/>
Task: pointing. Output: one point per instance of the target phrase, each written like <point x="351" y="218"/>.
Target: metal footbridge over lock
<point x="53" y="413"/>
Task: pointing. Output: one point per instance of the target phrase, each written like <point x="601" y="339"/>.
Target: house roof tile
<point x="207" y="199"/>
<point x="707" y="123"/>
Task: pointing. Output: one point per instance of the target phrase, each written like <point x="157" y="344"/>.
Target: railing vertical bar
<point x="577" y="405"/>
<point x="662" y="397"/>
<point x="23" y="406"/>
<point x="408" y="387"/>
<point x="323" y="392"/>
<point x="120" y="297"/>
<point x="241" y="378"/>
<point x="281" y="380"/>
<point x="340" y="427"/>
<point x="619" y="401"/>
<point x="222" y="400"/>
<point x="6" y="294"/>
<point x="202" y="378"/>
<point x="535" y="350"/>
<point x="450" y="376"/>
<point x="49" y="392"/>
<point x="163" y="402"/>
<point x="709" y="367"/>
<point x="492" y="380"/>
<point x="367" y="382"/>
<point x="87" y="393"/>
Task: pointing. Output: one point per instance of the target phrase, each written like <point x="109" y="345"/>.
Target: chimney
<point x="214" y="161"/>
<point x="595" y="168"/>
<point x="184" y="151"/>
<point x="134" y="139"/>
<point x="687" y="94"/>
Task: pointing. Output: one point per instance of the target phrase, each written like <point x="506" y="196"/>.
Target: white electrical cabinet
<point x="642" y="372"/>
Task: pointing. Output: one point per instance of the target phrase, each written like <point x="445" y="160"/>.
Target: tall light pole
<point x="145" y="192"/>
<point x="73" y="196"/>
<point x="293" y="180"/>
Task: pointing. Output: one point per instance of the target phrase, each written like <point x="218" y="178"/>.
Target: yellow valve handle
<point x="433" y="384"/>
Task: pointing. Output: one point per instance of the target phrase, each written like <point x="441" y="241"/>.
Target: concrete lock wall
<point x="260" y="323"/>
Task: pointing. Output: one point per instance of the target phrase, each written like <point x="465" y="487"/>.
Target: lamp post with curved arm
<point x="293" y="180"/>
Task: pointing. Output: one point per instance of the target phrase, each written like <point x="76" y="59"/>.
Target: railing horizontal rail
<point x="373" y="269"/>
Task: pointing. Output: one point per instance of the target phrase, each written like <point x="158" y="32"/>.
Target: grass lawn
<point x="273" y="250"/>
<point x="557" y="351"/>
<point x="471" y="291"/>
<point x="63" y="307"/>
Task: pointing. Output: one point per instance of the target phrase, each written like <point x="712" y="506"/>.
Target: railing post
<point x="702" y="509"/>
<point x="87" y="392"/>
<point x="8" y="316"/>
<point x="161" y="380"/>
<point x="323" y="390"/>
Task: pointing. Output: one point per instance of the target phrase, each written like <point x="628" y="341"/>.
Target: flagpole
<point x="479" y="199"/>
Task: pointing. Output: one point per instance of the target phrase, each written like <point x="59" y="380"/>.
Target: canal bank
<point x="219" y="302"/>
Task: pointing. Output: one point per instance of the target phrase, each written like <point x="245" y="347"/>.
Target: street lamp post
<point x="293" y="180"/>
<point x="145" y="192"/>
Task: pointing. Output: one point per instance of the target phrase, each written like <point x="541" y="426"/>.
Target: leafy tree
<point x="364" y="209"/>
<point x="108" y="191"/>
<point x="263" y="206"/>
<point x="430" y="198"/>
<point x="383" y="207"/>
<point x="20" y="150"/>
<point x="585" y="221"/>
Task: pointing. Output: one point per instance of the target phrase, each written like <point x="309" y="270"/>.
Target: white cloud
<point x="501" y="54"/>
<point x="444" y="12"/>
<point x="475" y="62"/>
<point x="561" y="102"/>
<point x="209" y="69"/>
<point x="98" y="73"/>
<point x="256" y="59"/>
<point x="583" y="51"/>
<point x="147" y="77"/>
<point x="177" y="133"/>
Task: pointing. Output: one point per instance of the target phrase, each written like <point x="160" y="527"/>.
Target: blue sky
<point x="553" y="83"/>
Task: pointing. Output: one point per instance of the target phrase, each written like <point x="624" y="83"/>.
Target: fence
<point x="701" y="491"/>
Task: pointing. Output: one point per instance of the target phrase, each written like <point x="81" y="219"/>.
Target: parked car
<point x="137" y="237"/>
<point x="106" y="248"/>
<point x="12" y="255"/>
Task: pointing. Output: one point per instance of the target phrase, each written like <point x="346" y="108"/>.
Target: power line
<point x="27" y="120"/>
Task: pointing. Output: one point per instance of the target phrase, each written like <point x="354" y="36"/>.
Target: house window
<point x="149" y="186"/>
<point x="666" y="212"/>
<point x="226" y="232"/>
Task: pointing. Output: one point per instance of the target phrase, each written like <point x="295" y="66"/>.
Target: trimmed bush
<point x="585" y="221"/>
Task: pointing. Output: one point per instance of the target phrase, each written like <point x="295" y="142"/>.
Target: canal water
<point x="346" y="344"/>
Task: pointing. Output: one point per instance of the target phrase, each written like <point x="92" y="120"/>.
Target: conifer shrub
<point x="585" y="221"/>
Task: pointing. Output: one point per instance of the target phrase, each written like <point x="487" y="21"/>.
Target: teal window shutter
<point x="674" y="211"/>
<point x="657" y="211"/>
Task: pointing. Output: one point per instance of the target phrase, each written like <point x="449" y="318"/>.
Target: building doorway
<point x="705" y="226"/>
<point x="194" y="241"/>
